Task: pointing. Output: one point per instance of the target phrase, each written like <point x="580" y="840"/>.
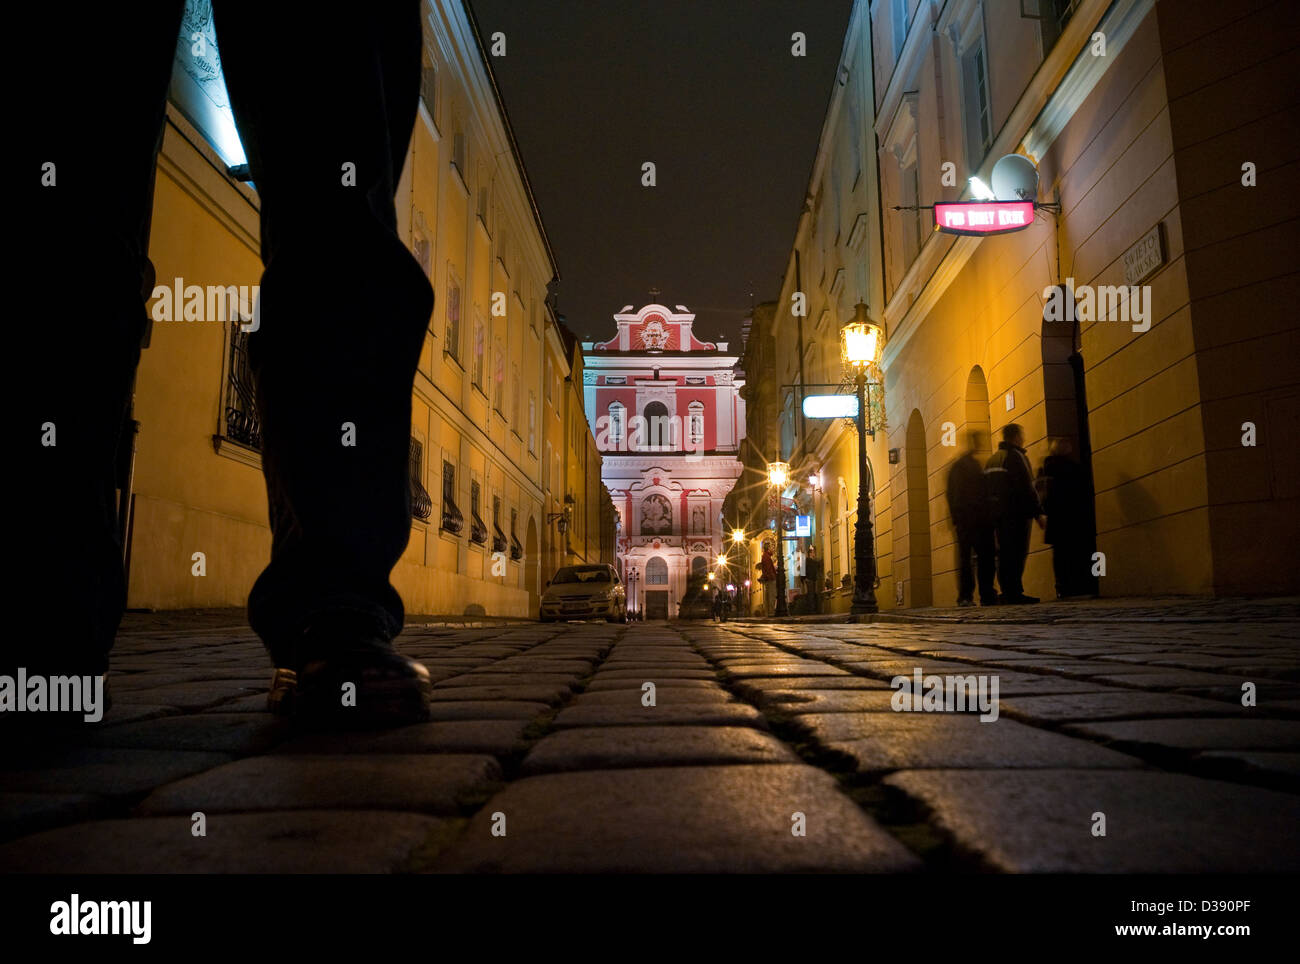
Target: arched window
<point x="695" y="422"/>
<point x="617" y="423"/>
<point x="659" y="425"/>
<point x="656" y="571"/>
<point x="699" y="566"/>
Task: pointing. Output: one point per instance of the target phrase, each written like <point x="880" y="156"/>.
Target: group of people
<point x="994" y="507"/>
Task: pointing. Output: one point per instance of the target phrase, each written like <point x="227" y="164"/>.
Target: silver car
<point x="584" y="592"/>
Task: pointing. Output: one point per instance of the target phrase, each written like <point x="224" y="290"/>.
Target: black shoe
<point x="965" y="603"/>
<point x="1021" y="600"/>
<point x="351" y="683"/>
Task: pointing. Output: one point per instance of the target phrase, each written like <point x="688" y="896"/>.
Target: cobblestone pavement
<point x="769" y="747"/>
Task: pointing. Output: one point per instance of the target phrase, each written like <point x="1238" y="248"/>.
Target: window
<point x="499" y="543"/>
<point x="516" y="549"/>
<point x="532" y="422"/>
<point x="478" y="354"/>
<point x="550" y="377"/>
<point x="546" y="469"/>
<point x="1053" y="15"/>
<point x="503" y="251"/>
<point x="979" y="124"/>
<point x="452" y="346"/>
<point x="499" y="380"/>
<point x="458" y="152"/>
<point x="429" y="86"/>
<point x="913" y="233"/>
<point x="423" y="252"/>
<point x="243" y="425"/>
<point x="452" y="520"/>
<point x="617" y="423"/>
<point x="656" y="572"/>
<point x="482" y="212"/>
<point x="659" y="425"/>
<point x="477" y="530"/>
<point x="899" y="16"/>
<point x="514" y="398"/>
<point x="421" y="504"/>
<point x="695" y="418"/>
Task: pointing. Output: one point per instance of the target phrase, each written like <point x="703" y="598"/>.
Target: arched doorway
<point x="658" y="425"/>
<point x="530" y="567"/>
<point x="699" y="567"/>
<point x="919" y="591"/>
<point x="977" y="412"/>
<point x="656" y="588"/>
<point x="1066" y="406"/>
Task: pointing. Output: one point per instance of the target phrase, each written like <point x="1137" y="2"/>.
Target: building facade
<point x="1170" y="163"/>
<point x="482" y="489"/>
<point x="667" y="415"/>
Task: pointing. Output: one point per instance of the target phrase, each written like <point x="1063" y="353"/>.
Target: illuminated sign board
<point x="983" y="217"/>
<point x="830" y="406"/>
<point x="803" y="525"/>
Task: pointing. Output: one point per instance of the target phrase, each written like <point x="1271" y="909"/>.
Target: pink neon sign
<point x="983" y="217"/>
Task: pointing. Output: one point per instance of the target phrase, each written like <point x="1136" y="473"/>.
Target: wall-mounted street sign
<point x="803" y="526"/>
<point x="983" y="217"/>
<point x="1142" y="260"/>
<point x="830" y="406"/>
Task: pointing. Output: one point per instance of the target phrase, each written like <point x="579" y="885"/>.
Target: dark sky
<point x="706" y="89"/>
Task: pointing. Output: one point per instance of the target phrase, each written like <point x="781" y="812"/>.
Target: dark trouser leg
<point x="79" y="265"/>
<point x="1013" y="549"/>
<point x="986" y="562"/>
<point x="965" y="568"/>
<point x="344" y="307"/>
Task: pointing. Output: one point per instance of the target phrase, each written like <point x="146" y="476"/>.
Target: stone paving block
<point x="703" y="714"/>
<point x="238" y="734"/>
<point x="479" y="678"/>
<point x="826" y="701"/>
<point x="1040" y="821"/>
<point x="608" y="747"/>
<point x="941" y="740"/>
<point x="527" y="693"/>
<point x="1282" y="765"/>
<point x="1169" y="679"/>
<point x="1197" y="734"/>
<point x="107" y="771"/>
<point x="497" y="737"/>
<point x="670" y="820"/>
<point x="664" y="696"/>
<point x="428" y="783"/>
<point x="134" y="712"/>
<point x="23" y="813"/>
<point x="655" y="672"/>
<point x="486" y="710"/>
<point x="192" y="696"/>
<point x="756" y="670"/>
<point x="604" y="684"/>
<point x="1116" y="704"/>
<point x="764" y="684"/>
<point x="282" y="842"/>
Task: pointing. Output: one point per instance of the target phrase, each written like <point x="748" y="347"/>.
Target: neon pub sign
<point x="983" y="217"/>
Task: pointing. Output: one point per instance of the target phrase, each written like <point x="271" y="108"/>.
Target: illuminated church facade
<point x="666" y="411"/>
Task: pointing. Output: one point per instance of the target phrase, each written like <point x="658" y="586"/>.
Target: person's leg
<point x="344" y="310"/>
<point x="965" y="572"/>
<point x="986" y="564"/>
<point x="1012" y="537"/>
<point x="82" y="167"/>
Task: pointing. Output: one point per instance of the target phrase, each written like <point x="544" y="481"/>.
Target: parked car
<point x="584" y="592"/>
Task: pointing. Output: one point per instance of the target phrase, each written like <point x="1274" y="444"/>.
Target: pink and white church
<point x="666" y="411"/>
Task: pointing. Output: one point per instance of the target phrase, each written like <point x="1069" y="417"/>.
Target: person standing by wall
<point x="1063" y="491"/>
<point x="1014" y="508"/>
<point x="968" y="506"/>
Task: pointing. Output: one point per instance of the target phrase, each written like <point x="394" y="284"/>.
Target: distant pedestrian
<point x="1014" y="507"/>
<point x="1063" y="490"/>
<point x="767" y="576"/>
<point x="968" y="506"/>
<point x="813" y="579"/>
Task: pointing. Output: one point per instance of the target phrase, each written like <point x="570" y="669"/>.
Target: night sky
<point x="706" y="89"/>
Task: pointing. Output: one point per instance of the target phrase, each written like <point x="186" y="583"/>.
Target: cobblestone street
<point x="543" y="757"/>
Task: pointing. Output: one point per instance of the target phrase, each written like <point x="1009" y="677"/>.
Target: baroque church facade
<point x="666" y="411"/>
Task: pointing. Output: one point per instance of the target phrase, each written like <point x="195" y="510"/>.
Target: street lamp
<point x="737" y="536"/>
<point x="777" y="474"/>
<point x="861" y="343"/>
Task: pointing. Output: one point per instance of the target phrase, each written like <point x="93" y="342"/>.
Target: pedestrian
<point x="1014" y="508"/>
<point x="813" y="580"/>
<point x="968" y="506"/>
<point x="1063" y="490"/>
<point x="342" y="320"/>
<point x="767" y="576"/>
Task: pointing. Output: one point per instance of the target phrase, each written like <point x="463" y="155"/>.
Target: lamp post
<point x="777" y="474"/>
<point x="861" y="341"/>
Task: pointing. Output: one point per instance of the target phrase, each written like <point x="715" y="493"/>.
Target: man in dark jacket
<point x="1063" y="489"/>
<point x="1014" y="508"/>
<point x="969" y="509"/>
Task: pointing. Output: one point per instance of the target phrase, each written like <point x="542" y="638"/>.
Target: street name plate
<point x="830" y="406"/>
<point x="1141" y="260"/>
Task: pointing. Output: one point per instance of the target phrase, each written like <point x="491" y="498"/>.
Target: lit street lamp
<point x="737" y="536"/>
<point x="861" y="343"/>
<point x="777" y="474"/>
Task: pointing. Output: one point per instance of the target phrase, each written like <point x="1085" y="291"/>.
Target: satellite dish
<point x="1015" y="178"/>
